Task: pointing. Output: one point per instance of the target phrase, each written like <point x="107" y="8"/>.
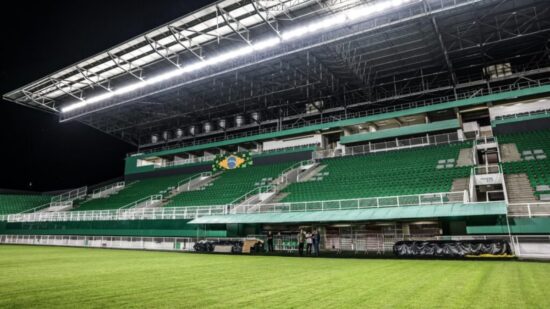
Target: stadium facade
<point x="371" y="121"/>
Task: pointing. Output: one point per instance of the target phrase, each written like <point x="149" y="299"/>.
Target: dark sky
<point x="42" y="38"/>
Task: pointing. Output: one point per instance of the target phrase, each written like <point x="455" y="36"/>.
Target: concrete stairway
<point x="519" y="189"/>
<point x="459" y="185"/>
<point x="465" y="157"/>
<point x="509" y="153"/>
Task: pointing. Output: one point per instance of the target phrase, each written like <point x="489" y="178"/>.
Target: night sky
<point x="40" y="39"/>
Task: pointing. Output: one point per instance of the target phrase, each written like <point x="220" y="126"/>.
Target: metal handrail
<point x="191" y="178"/>
<point x="255" y="191"/>
<point x="40" y="207"/>
<point x="487" y="169"/>
<point x="191" y="212"/>
<point x="71" y="195"/>
<point x="529" y="209"/>
<point x="423" y="141"/>
<point x="98" y="192"/>
<point x="522" y="114"/>
<point x="438" y="198"/>
<point x="283" y="176"/>
<point x="152" y="198"/>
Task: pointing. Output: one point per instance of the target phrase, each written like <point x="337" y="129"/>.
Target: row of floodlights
<point x="325" y="24"/>
<point x="207" y="127"/>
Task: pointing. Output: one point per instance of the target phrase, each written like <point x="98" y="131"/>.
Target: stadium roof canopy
<point x="297" y="62"/>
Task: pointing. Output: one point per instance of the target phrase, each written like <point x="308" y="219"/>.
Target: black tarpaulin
<point x="451" y="248"/>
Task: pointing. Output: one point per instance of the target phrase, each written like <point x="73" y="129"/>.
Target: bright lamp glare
<point x="324" y="24"/>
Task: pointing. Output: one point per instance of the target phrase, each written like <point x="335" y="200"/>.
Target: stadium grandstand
<point x="377" y="124"/>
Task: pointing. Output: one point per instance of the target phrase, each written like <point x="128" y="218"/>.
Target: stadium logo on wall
<point x="232" y="161"/>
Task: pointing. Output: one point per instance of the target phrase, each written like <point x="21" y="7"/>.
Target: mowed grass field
<point x="54" y="277"/>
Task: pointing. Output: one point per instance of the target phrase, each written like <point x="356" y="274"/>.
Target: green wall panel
<point x="157" y="228"/>
<point x="517" y="226"/>
<point x="406" y="130"/>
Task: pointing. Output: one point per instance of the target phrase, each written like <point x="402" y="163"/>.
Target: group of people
<point x="312" y="241"/>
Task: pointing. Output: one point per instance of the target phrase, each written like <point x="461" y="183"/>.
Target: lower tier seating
<point x="538" y="172"/>
<point x="15" y="203"/>
<point x="412" y="171"/>
<point x="230" y="185"/>
<point x="133" y="192"/>
<point x="534" y="148"/>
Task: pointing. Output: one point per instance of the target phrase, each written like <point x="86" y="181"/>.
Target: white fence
<point x="529" y="210"/>
<point x="440" y="198"/>
<point x="71" y="195"/>
<point x="108" y="189"/>
<point x="423" y="141"/>
<point x="160" y="213"/>
<point x="188" y="182"/>
<point x="524" y="247"/>
<point x="191" y="212"/>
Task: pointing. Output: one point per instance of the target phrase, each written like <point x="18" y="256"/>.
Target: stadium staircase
<point x="134" y="192"/>
<point x="519" y="189"/>
<point x="529" y="166"/>
<point x="402" y="172"/>
<point x="17" y="203"/>
<point x="231" y="185"/>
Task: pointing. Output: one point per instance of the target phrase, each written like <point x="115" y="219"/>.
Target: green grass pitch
<point x="54" y="277"/>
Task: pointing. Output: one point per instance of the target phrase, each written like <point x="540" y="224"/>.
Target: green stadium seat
<point x="16" y="203"/>
<point x="404" y="172"/>
<point x="230" y="185"/>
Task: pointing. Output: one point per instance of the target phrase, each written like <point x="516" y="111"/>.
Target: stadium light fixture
<point x="314" y="27"/>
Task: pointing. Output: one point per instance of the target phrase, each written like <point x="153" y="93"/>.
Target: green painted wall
<point x="146" y="228"/>
<point x="517" y="226"/>
<point x="406" y="130"/>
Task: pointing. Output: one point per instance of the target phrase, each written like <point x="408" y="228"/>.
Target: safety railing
<point x="486" y="140"/>
<point x="190" y="212"/>
<point x="187" y="182"/>
<point x="398" y="144"/>
<point x="37" y="208"/>
<point x="524" y="114"/>
<point x="284" y="174"/>
<point x="144" y="202"/>
<point x="55" y="206"/>
<point x="288" y="148"/>
<point x="186" y="161"/>
<point x="529" y="210"/>
<point x="105" y="190"/>
<point x="523" y="246"/>
<point x="143" y="213"/>
<point x="71" y="195"/>
<point x="254" y="192"/>
<point x="487" y="169"/>
<point x="440" y="198"/>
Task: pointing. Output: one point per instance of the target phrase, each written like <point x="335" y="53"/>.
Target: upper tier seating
<point x="230" y="185"/>
<point x="15" y="203"/>
<point x="404" y="172"/>
<point x="133" y="192"/>
<point x="534" y="145"/>
<point x="534" y="148"/>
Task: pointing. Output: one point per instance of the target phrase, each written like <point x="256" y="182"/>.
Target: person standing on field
<point x="301" y="240"/>
<point x="309" y="242"/>
<point x="270" y="241"/>
<point x="316" y="241"/>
